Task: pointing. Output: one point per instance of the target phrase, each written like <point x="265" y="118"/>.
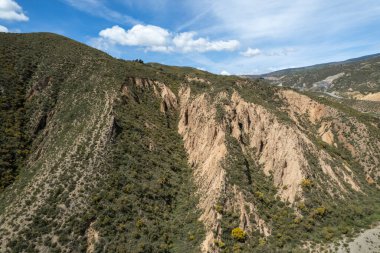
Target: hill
<point x="106" y="155"/>
<point x="357" y="78"/>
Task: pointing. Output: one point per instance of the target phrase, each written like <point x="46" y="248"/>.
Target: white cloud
<point x="251" y="52"/>
<point x="186" y="43"/>
<point x="3" y="29"/>
<point x="282" y="52"/>
<point x="160" y="49"/>
<point x="225" y="73"/>
<point x="276" y="27"/>
<point x="139" y="35"/>
<point x="100" y="43"/>
<point x="11" y="11"/>
<point x="157" y="39"/>
<point x="277" y="52"/>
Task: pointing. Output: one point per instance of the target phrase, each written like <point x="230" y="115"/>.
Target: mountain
<point x="355" y="78"/>
<point x="105" y="155"/>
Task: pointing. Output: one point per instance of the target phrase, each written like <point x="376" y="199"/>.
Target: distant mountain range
<point x="353" y="78"/>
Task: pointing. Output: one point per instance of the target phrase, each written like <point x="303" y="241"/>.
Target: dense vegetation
<point x="148" y="196"/>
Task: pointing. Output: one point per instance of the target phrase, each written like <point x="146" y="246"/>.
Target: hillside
<point x="355" y="78"/>
<point x="106" y="155"/>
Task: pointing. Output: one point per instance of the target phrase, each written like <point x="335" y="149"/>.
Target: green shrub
<point x="218" y="208"/>
<point x="259" y="195"/>
<point x="219" y="244"/>
<point x="262" y="242"/>
<point x="321" y="211"/>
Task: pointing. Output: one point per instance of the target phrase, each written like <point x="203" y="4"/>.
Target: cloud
<point x="225" y="73"/>
<point x="100" y="43"/>
<point x="185" y="42"/>
<point x="282" y="52"/>
<point x="157" y="39"/>
<point x="256" y="52"/>
<point x="251" y="52"/>
<point x="3" y="29"/>
<point x="99" y="9"/>
<point x="11" y="11"/>
<point x="139" y="35"/>
<point x="275" y="19"/>
<point x="287" y="33"/>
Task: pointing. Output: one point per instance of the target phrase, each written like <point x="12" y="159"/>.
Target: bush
<point x="321" y="211"/>
<point x="306" y="183"/>
<point x="238" y="234"/>
<point x="259" y="195"/>
<point x="262" y="242"/>
<point x="219" y="208"/>
<point x="219" y="244"/>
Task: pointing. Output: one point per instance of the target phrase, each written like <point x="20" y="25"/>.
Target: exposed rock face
<point x="169" y="99"/>
<point x="92" y="238"/>
<point x="204" y="141"/>
<point x="197" y="79"/>
<point x="369" y="97"/>
<point x="333" y="127"/>
<point x="326" y="134"/>
<point x="276" y="144"/>
<point x="281" y="150"/>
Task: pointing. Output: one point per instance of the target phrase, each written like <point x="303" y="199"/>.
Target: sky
<point x="220" y="36"/>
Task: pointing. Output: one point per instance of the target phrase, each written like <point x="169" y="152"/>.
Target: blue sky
<point x="223" y="36"/>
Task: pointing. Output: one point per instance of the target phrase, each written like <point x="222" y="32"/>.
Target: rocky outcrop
<point x="281" y="149"/>
<point x="92" y="238"/>
<point x="205" y="141"/>
<point x="333" y="128"/>
<point x="168" y="98"/>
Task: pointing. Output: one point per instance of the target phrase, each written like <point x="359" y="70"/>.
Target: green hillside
<point x="104" y="155"/>
<point x="360" y="74"/>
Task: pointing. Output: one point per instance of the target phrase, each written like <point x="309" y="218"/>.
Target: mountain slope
<point x="355" y="78"/>
<point x="116" y="156"/>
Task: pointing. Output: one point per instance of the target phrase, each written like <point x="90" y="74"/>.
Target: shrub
<point x="301" y="206"/>
<point x="236" y="248"/>
<point x="259" y="195"/>
<point x="219" y="244"/>
<point x="238" y="234"/>
<point x="262" y="242"/>
<point x="306" y="183"/>
<point x="219" y="208"/>
<point x="297" y="220"/>
<point x="321" y="211"/>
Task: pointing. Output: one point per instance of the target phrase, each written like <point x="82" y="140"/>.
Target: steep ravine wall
<point x="280" y="149"/>
<point x="333" y="127"/>
<point x="205" y="141"/>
